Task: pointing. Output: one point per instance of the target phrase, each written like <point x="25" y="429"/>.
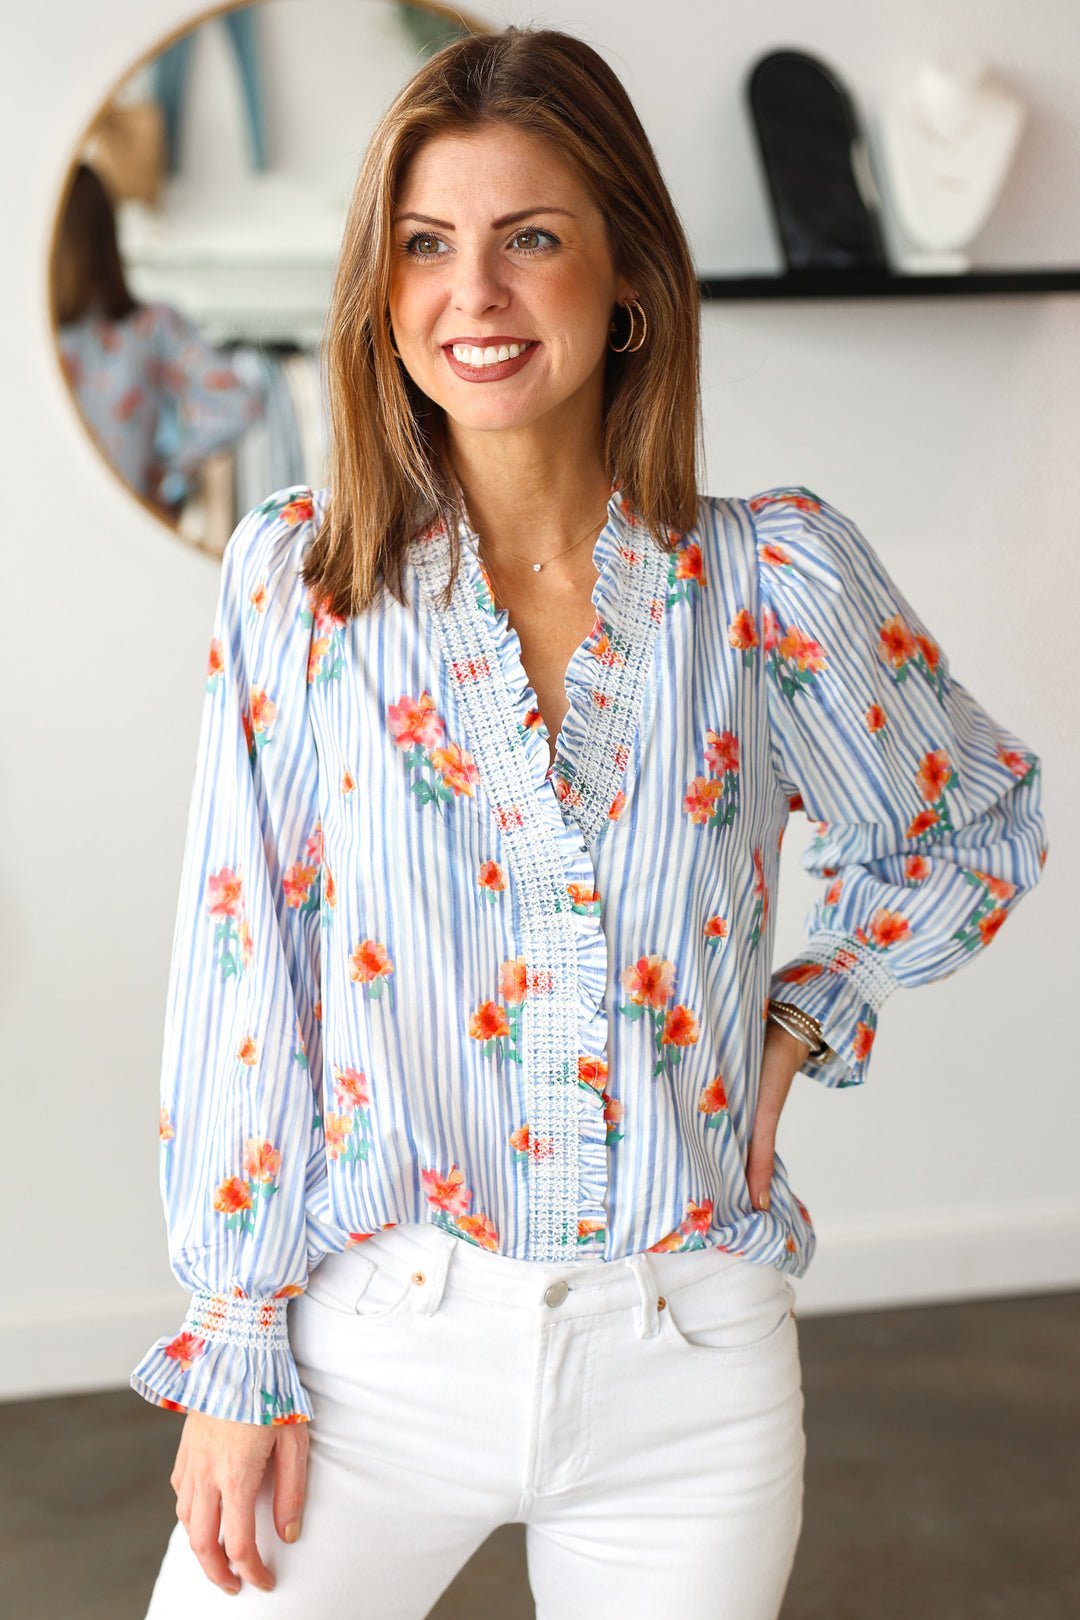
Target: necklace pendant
<point x="537" y="567"/>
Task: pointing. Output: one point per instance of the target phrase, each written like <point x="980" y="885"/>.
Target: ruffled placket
<point x="551" y="817"/>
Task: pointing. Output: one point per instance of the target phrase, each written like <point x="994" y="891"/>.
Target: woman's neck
<point x="530" y="496"/>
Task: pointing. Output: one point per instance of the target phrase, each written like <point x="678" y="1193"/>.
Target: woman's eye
<point x="425" y="247"/>
<point x="533" y="241"/>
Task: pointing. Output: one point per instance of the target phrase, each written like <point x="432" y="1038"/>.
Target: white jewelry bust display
<point x="947" y="143"/>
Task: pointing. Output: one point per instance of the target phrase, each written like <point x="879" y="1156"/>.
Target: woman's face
<point x="502" y="284"/>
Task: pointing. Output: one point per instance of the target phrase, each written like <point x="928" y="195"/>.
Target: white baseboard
<point x="943" y="1255"/>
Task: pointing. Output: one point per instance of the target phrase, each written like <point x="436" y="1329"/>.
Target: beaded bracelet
<point x="801" y="1025"/>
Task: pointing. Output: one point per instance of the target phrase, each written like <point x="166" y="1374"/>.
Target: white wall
<point x="947" y="429"/>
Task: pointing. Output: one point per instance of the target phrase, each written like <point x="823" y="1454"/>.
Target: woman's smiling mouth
<point x="490" y="362"/>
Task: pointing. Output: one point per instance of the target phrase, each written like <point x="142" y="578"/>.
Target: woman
<point x="157" y="397"/>
<point x="471" y="1051"/>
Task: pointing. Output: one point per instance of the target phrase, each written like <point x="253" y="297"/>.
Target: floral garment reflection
<point x="159" y="399"/>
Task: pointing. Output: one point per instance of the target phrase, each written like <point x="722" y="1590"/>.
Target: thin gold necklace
<point x="593" y="530"/>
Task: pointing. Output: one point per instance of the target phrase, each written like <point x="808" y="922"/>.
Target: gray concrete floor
<point x="943" y="1481"/>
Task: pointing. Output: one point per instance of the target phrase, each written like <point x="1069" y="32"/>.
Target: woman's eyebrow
<point x="496" y="224"/>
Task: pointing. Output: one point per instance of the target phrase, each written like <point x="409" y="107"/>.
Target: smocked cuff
<point x="843" y="984"/>
<point x="231" y="1359"/>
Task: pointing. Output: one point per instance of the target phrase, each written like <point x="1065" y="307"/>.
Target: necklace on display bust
<point x="590" y="533"/>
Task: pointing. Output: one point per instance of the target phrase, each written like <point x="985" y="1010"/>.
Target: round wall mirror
<point x="195" y="243"/>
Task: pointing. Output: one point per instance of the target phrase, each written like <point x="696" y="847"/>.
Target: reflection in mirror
<point x="194" y="250"/>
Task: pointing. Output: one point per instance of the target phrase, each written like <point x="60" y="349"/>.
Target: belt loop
<point x="436" y="1264"/>
<point x="648" y="1316"/>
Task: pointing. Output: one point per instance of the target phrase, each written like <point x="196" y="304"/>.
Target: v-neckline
<point x="605" y="678"/>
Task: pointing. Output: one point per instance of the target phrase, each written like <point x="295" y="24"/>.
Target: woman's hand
<point x="219" y="1468"/>
<point x="781" y="1061"/>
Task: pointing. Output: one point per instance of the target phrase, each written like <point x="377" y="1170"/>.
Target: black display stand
<point x="877" y="284"/>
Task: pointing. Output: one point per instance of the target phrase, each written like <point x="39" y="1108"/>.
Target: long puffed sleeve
<point x="929" y="825"/>
<point x="239" y="1118"/>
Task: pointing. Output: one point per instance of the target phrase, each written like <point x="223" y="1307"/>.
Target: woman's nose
<point x="479" y="285"/>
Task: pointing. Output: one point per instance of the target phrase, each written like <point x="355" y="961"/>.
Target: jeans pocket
<point x="737" y="1316"/>
<point x="359" y="1286"/>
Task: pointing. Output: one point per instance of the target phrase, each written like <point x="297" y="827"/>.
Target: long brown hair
<point x="87" y="272"/>
<point x="389" y="475"/>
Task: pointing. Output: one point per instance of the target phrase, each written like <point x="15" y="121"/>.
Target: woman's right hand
<point x="219" y="1468"/>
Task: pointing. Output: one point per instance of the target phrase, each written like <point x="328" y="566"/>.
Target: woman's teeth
<point x="465" y="355"/>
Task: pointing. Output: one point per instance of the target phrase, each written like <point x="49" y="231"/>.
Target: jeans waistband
<point x="572" y="1289"/>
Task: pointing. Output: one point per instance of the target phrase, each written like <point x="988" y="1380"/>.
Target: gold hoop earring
<point x="629" y="347"/>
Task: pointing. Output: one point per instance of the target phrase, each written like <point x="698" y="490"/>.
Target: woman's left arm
<point x="929" y="822"/>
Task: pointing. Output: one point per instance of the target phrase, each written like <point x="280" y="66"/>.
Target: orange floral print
<point x="165" y="1130"/>
<point x="680" y="1027"/>
<point x="613" y="1113"/>
<point x="887" y="928"/>
<point x="774" y="555"/>
<point x="715" y="931"/>
<point x="348" y="783"/>
<point x="1019" y="765"/>
<point x="591" y="1231"/>
<point x="263" y="713"/>
<point x="584" y="899"/>
<point x="876" y="719"/>
<point x="896" y="644"/>
<point x="701" y="800"/>
<point x="604" y="649"/>
<point x="185" y="1350"/>
<point x="519" y="1142"/>
<point x="481" y="1230"/>
<point x="447" y="1194"/>
<point x="299" y="511"/>
<point x="370" y="965"/>
<point x="248" y="1052"/>
<point x="916" y="868"/>
<point x="514" y="980"/>
<point x="650" y="981"/>
<point x="225" y="893"/>
<point x="225" y="903"/>
<point x="761" y="901"/>
<point x="456" y="768"/>
<point x="618" y="805"/>
<point x="258" y="599"/>
<point x="721" y="752"/>
<point x="833" y="892"/>
<point x="488" y="1022"/>
<point x="933" y="775"/>
<point x="922" y="823"/>
<point x="863" y="1041"/>
<point x="686" y="574"/>
<point x="713" y="1103"/>
<point x="297" y="882"/>
<point x="691" y="1233"/>
<point x="989" y="925"/>
<point x="232" y="1196"/>
<point x="413" y="722"/>
<point x="592" y="1072"/>
<point x="215" y="666"/>
<point x="742" y="634"/>
<point x="337" y="1129"/>
<point x="351" y="1087"/>
<point x="900" y="650"/>
<point x="262" y="1161"/>
<point x="800" y="972"/>
<point x="491" y="880"/>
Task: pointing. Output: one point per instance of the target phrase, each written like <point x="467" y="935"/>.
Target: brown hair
<point x="388" y="472"/>
<point x="87" y="274"/>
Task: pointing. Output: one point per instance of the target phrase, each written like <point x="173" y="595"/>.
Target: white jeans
<point x="643" y="1419"/>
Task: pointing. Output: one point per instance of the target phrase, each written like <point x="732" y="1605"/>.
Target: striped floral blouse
<point x="422" y="975"/>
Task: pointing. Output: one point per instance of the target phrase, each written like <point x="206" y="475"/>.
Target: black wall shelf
<point x="877" y="284"/>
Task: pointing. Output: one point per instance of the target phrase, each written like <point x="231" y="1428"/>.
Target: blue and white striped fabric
<point x="421" y="974"/>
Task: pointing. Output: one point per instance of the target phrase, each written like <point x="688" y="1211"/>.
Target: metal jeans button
<point x="556" y="1293"/>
